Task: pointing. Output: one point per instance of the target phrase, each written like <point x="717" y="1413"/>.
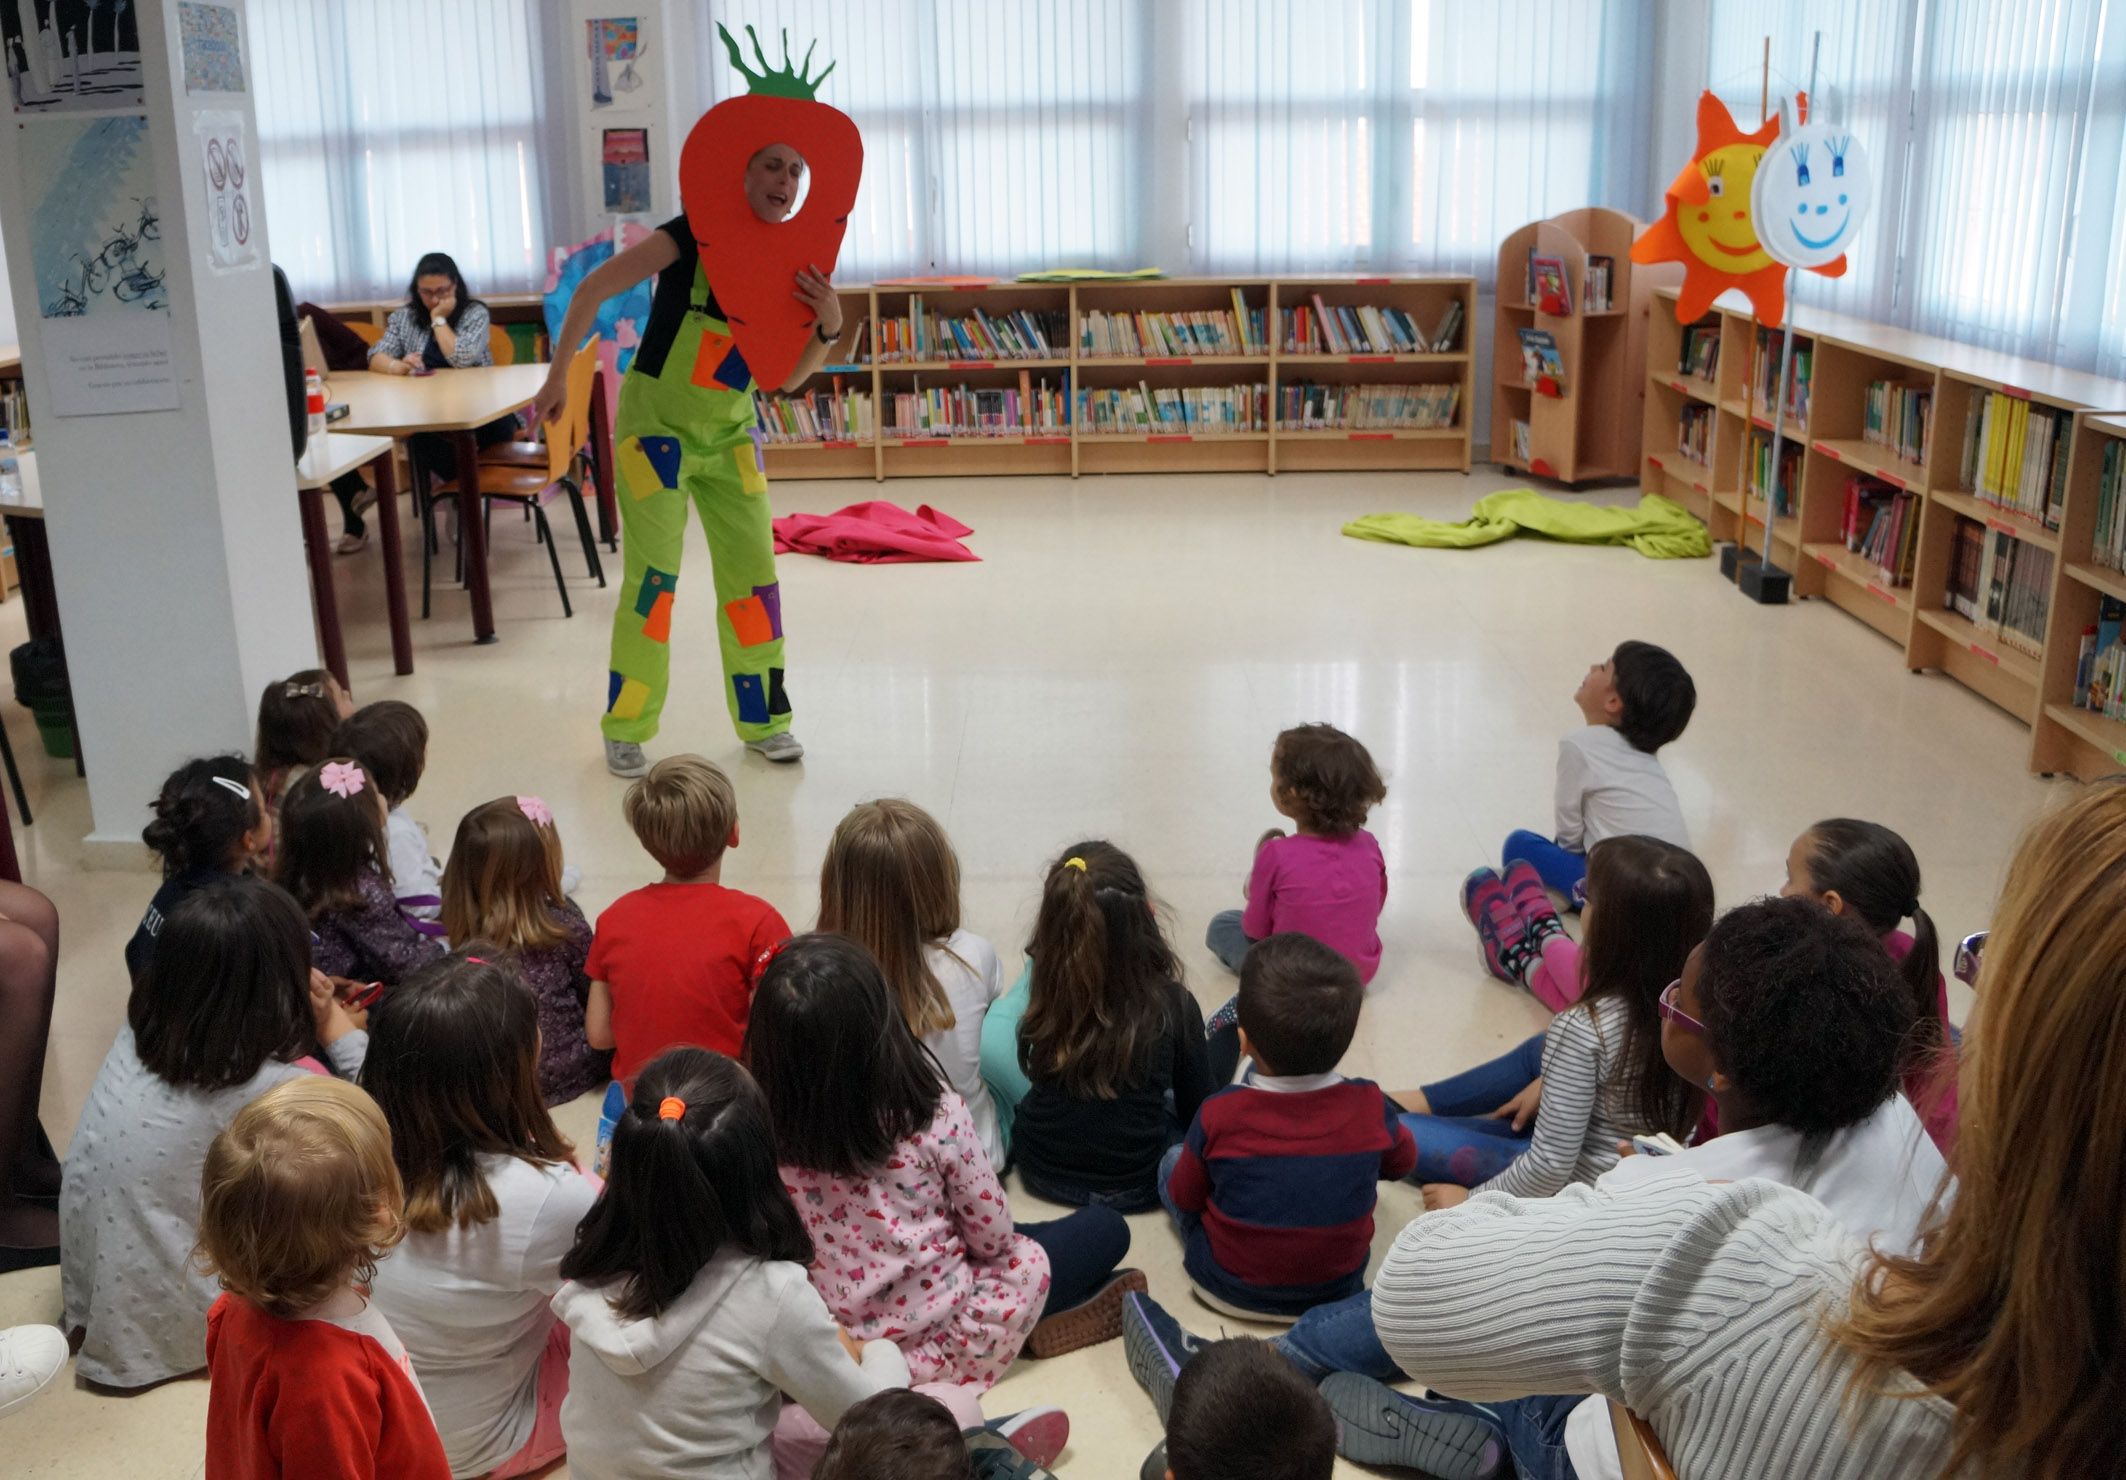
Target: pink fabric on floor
<point x="799" y="1441"/>
<point x="874" y="533"/>
<point x="1556" y="979"/>
<point x="545" y="1444"/>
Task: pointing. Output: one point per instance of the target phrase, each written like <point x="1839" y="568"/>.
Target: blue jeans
<point x="1560" y="867"/>
<point x="1460" y="1141"/>
<point x="1184" y="1221"/>
<point x="1534" y="1430"/>
<point x="1228" y="942"/>
<point x="1338" y="1337"/>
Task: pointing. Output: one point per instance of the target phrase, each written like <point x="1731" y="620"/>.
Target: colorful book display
<point x="1035" y="407"/>
<point x="1882" y="526"/>
<point x="1196" y="411"/>
<point x="1797" y="397"/>
<point x="1899" y="417"/>
<point x="1757" y="473"/>
<point x="1317" y="408"/>
<point x="818" y="417"/>
<point x="1182" y="335"/>
<point x="1694" y="434"/>
<point x="2015" y="456"/>
<point x="2100" y="672"/>
<point x="2110" y="545"/>
<point x="2000" y="584"/>
<point x="1342" y="329"/>
<point x="1019" y="334"/>
<point x="1700" y="358"/>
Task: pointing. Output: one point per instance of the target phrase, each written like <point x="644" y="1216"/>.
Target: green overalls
<point x="689" y="431"/>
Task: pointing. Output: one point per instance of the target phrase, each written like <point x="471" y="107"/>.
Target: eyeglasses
<point x="1676" y="1014"/>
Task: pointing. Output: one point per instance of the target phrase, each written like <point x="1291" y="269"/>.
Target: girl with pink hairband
<point x="335" y="861"/>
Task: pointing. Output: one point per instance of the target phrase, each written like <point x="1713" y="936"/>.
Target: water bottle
<point x="10" y="470"/>
<point x="314" y="401"/>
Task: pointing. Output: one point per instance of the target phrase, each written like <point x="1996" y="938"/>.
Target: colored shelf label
<point x="1369" y="359"/>
<point x="970" y="364"/>
<point x="1172" y="360"/>
<point x="921" y="442"/>
<point x="1048" y="441"/>
<point x="2016" y="391"/>
<point x="1371" y="436"/>
<point x="1875" y="590"/>
<point x="1169" y="437"/>
<point x="1826" y="561"/>
<point x="1988" y="654"/>
<point x="834" y="443"/>
<point x="1679" y="385"/>
<point x="1892" y="479"/>
<point x="1656" y="462"/>
<point x="1371" y="282"/>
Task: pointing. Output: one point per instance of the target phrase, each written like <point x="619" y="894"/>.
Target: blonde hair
<point x="299" y="1196"/>
<point x="503" y="881"/>
<point x="2011" y="1308"/>
<point x="891" y="883"/>
<point x="682" y="813"/>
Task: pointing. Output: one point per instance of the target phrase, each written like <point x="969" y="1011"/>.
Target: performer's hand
<point x="546" y="406"/>
<point x="818" y="294"/>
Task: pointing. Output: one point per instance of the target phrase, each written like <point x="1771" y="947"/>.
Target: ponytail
<point x="1101" y="964"/>
<point x="201" y="816"/>
<point x="1877" y="875"/>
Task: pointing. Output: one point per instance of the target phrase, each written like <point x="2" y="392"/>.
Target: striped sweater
<point x="1580" y="1120"/>
<point x="1699" y="1306"/>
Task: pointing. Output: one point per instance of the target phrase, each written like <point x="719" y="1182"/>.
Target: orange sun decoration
<point x="1707" y="226"/>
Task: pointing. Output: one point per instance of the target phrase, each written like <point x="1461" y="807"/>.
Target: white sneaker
<point x="351" y="544"/>
<point x="625" y="758"/>
<point x="31" y="1359"/>
<point x="781" y="749"/>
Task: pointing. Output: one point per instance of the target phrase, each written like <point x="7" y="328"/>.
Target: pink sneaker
<point x="1531" y="901"/>
<point x="1499" y="930"/>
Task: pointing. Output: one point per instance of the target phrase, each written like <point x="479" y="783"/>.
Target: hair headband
<point x="535" y="811"/>
<point x="671" y="1107"/>
<point x="1076" y="863"/>
<point x="226" y="784"/>
<point x="342" y="778"/>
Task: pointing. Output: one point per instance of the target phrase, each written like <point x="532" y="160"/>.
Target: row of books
<point x="1797" y="396"/>
<point x="1523" y="443"/>
<point x="1201" y="410"/>
<point x="1899" y="417"/>
<point x="2000" y="584"/>
<point x="1238" y="331"/>
<point x="2100" y="673"/>
<point x="826" y="415"/>
<point x="1548" y="290"/>
<point x="1345" y="329"/>
<point x="2015" y="456"/>
<point x="1310" y="408"/>
<point x="1882" y="526"/>
<point x="984" y="411"/>
<point x="1757" y="473"/>
<point x="15" y="414"/>
<point x="1016" y="334"/>
<point x="2110" y="543"/>
<point x="1700" y="356"/>
<point x="1694" y="434"/>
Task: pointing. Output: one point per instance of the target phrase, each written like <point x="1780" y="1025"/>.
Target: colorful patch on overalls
<point x="752" y="478"/>
<point x="770" y="596"/>
<point x="709" y="356"/>
<point x="657" y="626"/>
<point x="625" y="697"/>
<point x="649" y="464"/>
<point x="752" y="702"/>
<point x="750" y="622"/>
<point x="732" y="374"/>
<point x="778" y="700"/>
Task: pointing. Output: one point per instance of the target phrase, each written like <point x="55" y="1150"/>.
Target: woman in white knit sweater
<point x="1757" y="1337"/>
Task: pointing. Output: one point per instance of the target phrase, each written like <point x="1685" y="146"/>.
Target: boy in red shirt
<point x="675" y="962"/>
<point x="299" y="1199"/>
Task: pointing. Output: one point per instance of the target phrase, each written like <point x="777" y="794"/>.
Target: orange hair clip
<point x="671" y="1107"/>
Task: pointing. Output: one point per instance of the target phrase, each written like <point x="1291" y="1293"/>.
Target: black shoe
<point x="1376" y="1425"/>
<point x="1157" y="1348"/>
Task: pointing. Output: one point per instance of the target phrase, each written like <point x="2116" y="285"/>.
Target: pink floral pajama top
<point x="922" y="1254"/>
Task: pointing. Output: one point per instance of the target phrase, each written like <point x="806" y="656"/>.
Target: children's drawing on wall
<point x="627" y="170"/>
<point x="616" y="45"/>
<point x="71" y="55"/>
<point x="214" y="47"/>
<point x="95" y="235"/>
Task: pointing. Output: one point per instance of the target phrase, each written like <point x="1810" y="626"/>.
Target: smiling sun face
<point x="1719" y="230"/>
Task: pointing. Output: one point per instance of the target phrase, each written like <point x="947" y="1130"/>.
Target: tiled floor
<point x="1117" y="666"/>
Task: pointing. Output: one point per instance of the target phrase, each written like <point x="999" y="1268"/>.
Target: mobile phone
<point x="365" y="996"/>
<point x="1968" y="952"/>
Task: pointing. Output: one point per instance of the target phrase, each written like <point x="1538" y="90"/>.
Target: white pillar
<point x="174" y="534"/>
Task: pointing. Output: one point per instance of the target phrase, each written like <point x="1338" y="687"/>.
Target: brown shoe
<point x="1098" y="1319"/>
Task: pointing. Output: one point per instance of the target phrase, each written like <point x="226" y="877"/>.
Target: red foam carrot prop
<point x="753" y="264"/>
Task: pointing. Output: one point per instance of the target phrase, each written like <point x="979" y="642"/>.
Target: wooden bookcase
<point x="1591" y="428"/>
<point x="1077" y="450"/>
<point x="1847" y="356"/>
<point x="2065" y="738"/>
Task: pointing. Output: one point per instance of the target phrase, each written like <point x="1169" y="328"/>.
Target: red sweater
<point x="310" y="1399"/>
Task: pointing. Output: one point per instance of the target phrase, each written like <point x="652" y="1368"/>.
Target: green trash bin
<point x="55" y="726"/>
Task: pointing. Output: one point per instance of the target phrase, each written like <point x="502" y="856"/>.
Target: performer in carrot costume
<point x="742" y="292"/>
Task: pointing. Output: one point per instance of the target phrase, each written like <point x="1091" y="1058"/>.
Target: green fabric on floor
<point x="1658" y="528"/>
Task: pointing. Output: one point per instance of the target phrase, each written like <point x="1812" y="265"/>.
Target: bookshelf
<point x="1872" y="389"/>
<point x="1216" y="372"/>
<point x="1586" y="423"/>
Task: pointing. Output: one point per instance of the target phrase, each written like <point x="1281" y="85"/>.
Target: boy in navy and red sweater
<point x="1275" y="1183"/>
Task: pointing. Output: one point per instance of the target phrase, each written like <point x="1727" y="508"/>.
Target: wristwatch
<point x="824" y="336"/>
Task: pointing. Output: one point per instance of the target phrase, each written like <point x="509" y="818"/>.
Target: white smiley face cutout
<point x="1811" y="194"/>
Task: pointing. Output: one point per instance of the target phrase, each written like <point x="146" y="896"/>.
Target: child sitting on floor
<point x="1328" y="879"/>
<point x="689" y="1311"/>
<point x="1237" y="1409"/>
<point x="296" y="718"/>
<point x="334" y="861"/>
<point x="891" y="883"/>
<point x="503" y="887"/>
<point x="913" y="1237"/>
<point x="1864" y="869"/>
<point x="1111" y="1043"/>
<point x="390" y="739"/>
<point x="210" y="823"/>
<point x="1599" y="1062"/>
<point x="229" y="1009"/>
<point x="298" y="1202"/>
<point x="676" y="961"/>
<point x="492" y="1203"/>
<point x="1274" y="1186"/>
<point x="1610" y="780"/>
<point x="905" y="1435"/>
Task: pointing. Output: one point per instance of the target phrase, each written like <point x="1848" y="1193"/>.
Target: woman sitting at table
<point x="440" y="327"/>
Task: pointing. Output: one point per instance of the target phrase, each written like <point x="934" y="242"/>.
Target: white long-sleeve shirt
<point x="1608" y="788"/>
<point x="1699" y="1307"/>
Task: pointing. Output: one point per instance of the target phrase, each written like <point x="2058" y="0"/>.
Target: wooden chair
<point x="506" y="477"/>
<point x="1639" y="1452"/>
<point x="365" y="331"/>
<point x="500" y="345"/>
